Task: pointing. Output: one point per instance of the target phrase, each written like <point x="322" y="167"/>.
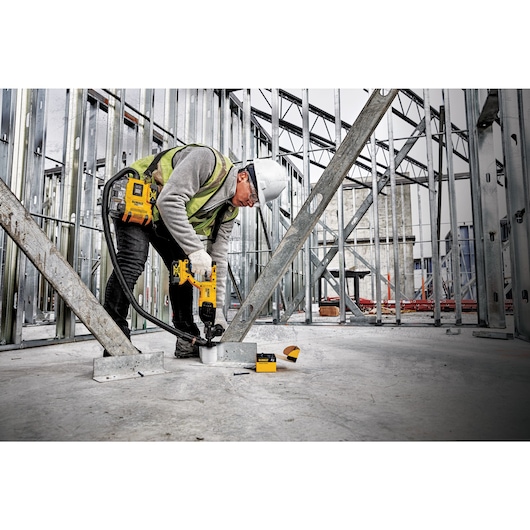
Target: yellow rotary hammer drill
<point x="181" y="273"/>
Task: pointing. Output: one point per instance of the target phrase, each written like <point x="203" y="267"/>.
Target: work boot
<point x="185" y="349"/>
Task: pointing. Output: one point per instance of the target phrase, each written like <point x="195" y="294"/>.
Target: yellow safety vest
<point x="159" y="167"/>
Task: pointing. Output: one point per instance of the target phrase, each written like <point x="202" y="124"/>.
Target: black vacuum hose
<point x="114" y="259"/>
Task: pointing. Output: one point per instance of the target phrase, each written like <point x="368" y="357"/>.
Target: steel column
<point x="275" y="220"/>
<point x="70" y="203"/>
<point x="225" y="148"/>
<point x="375" y="224"/>
<point x="434" y="214"/>
<point x="395" y="235"/>
<point x="226" y="118"/>
<point x="208" y="117"/>
<point x="515" y="109"/>
<point x="455" y="245"/>
<point x="161" y="295"/>
<point x="88" y="211"/>
<point x="307" y="182"/>
<point x="190" y="120"/>
<point x="7" y="128"/>
<point x="7" y="248"/>
<point x="486" y="219"/>
<point x="14" y="263"/>
<point x="144" y="286"/>
<point x="114" y="147"/>
<point x="340" y="218"/>
<point x="248" y="259"/>
<point x="170" y="118"/>
<point x="33" y="192"/>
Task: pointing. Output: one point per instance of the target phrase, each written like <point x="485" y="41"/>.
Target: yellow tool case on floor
<point x="265" y="362"/>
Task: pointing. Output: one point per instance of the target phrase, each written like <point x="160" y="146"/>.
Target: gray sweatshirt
<point x="193" y="167"/>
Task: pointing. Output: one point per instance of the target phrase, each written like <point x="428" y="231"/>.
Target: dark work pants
<point x="132" y="241"/>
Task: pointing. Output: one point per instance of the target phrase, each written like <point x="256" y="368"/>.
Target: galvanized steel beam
<point x="310" y="213"/>
<point x="71" y="197"/>
<point x="514" y="112"/>
<point x="18" y="184"/>
<point x="113" y="152"/>
<point x="88" y="238"/>
<point x="275" y="219"/>
<point x="7" y="124"/>
<point x="16" y="107"/>
<point x="33" y="189"/>
<point x="375" y="224"/>
<point x="433" y="215"/>
<point x="486" y="218"/>
<point x="455" y="246"/>
<point x="248" y="261"/>
<point x="395" y="235"/>
<point x="307" y="186"/>
<point x="25" y="232"/>
<point x="340" y="218"/>
<point x="144" y="138"/>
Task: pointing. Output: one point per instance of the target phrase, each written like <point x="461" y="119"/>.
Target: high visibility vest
<point x="159" y="168"/>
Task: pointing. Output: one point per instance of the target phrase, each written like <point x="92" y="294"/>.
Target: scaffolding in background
<point x="438" y="165"/>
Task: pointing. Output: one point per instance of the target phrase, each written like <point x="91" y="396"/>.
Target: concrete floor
<point x="351" y="383"/>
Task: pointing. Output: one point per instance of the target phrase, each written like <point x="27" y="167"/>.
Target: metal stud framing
<point x="108" y="128"/>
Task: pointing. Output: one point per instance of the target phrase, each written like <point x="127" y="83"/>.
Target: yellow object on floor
<point x="292" y="353"/>
<point x="265" y="362"/>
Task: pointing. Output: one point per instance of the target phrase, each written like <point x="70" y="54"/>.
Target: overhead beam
<point x="310" y="213"/>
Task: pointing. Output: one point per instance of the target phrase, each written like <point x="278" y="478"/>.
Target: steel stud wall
<point x="434" y="148"/>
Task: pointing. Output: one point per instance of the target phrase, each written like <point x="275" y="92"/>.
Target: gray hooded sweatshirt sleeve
<point x="193" y="167"/>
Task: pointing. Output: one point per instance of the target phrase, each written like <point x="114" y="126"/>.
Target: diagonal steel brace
<point x="125" y="360"/>
<point x="310" y="213"/>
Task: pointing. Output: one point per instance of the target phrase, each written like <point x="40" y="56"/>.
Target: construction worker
<point x="200" y="192"/>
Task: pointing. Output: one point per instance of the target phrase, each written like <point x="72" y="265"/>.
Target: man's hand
<point x="201" y="263"/>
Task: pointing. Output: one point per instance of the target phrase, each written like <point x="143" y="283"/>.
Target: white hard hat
<point x="271" y="179"/>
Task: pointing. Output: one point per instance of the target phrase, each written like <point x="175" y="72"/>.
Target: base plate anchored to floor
<point x="128" y="366"/>
<point x="493" y="335"/>
<point x="242" y="352"/>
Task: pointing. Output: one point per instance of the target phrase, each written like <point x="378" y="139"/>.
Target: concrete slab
<point x="350" y="383"/>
